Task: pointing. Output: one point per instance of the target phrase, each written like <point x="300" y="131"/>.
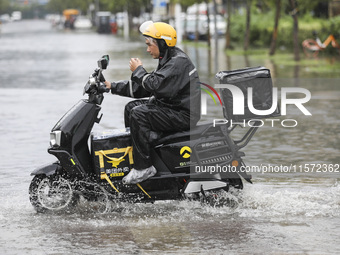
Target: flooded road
<point x="43" y="71"/>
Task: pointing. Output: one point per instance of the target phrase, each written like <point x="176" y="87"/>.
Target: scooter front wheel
<point x="52" y="194"/>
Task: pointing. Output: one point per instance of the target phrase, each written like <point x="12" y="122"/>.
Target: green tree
<point x="294" y="14"/>
<point x="60" y="5"/>
<point x="4" y="6"/>
<point x="186" y="3"/>
<point x="227" y="34"/>
<point x="311" y="5"/>
<point x="247" y="30"/>
<point x="276" y="28"/>
<point x="132" y="6"/>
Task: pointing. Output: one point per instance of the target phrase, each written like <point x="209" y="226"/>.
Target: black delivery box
<point x="112" y="152"/>
<point x="259" y="79"/>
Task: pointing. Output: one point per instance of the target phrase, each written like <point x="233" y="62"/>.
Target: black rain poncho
<point x="174" y="104"/>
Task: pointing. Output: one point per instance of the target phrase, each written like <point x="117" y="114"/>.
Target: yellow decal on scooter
<point x="114" y="161"/>
<point x="185" y="152"/>
<point x="116" y="174"/>
<point x="74" y="163"/>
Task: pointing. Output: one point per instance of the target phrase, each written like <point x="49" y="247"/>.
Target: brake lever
<point x="96" y="71"/>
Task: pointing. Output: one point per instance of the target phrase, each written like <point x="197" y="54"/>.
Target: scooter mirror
<point x="103" y="62"/>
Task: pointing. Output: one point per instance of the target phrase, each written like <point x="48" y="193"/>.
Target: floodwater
<point x="43" y="71"/>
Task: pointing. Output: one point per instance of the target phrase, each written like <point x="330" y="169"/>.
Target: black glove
<point x="102" y="88"/>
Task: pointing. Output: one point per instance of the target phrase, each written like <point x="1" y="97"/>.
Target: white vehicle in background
<point x="82" y="22"/>
<point x="120" y="17"/>
<point x="16" y="16"/>
<point x="202" y="26"/>
<point x="4" y="18"/>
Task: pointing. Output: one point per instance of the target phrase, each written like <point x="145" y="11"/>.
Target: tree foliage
<point x="304" y="7"/>
<point x="276" y="27"/>
<point x="4" y="6"/>
<point x="132" y="6"/>
<point x="59" y="5"/>
<point x="186" y="3"/>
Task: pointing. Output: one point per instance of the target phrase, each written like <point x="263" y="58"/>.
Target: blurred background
<point x="264" y="23"/>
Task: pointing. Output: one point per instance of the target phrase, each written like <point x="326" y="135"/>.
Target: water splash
<point x="264" y="201"/>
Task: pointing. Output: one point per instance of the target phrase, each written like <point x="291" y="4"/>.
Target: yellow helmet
<point x="159" y="30"/>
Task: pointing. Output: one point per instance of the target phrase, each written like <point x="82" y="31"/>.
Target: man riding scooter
<point x="173" y="91"/>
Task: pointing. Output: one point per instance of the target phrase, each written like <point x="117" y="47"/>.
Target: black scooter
<point x="195" y="164"/>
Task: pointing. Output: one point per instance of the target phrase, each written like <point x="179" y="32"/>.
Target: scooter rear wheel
<point x="52" y="194"/>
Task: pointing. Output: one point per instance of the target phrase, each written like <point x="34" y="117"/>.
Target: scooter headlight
<point x="55" y="139"/>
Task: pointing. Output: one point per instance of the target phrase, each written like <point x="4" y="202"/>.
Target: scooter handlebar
<point x="95" y="86"/>
<point x="103" y="89"/>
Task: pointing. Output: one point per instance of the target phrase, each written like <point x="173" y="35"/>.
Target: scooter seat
<point x="199" y="129"/>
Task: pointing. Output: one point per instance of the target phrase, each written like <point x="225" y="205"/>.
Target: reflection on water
<point x="42" y="74"/>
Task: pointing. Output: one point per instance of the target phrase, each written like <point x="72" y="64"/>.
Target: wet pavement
<point x="43" y="71"/>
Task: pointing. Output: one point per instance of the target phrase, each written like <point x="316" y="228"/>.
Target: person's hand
<point x="107" y="84"/>
<point x="134" y="63"/>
